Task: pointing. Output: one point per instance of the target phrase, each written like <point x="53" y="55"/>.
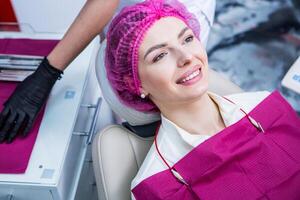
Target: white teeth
<point x="191" y="76"/>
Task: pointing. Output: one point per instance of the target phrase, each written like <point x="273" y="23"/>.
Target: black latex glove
<point x="23" y="106"/>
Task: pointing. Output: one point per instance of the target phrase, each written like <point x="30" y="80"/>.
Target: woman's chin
<point x="199" y="88"/>
<point x="196" y="92"/>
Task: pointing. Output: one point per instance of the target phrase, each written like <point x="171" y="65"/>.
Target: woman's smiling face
<point x="173" y="65"/>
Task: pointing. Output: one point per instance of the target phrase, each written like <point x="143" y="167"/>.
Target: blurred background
<point x="255" y="42"/>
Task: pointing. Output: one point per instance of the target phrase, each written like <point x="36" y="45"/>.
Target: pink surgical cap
<point x="124" y="38"/>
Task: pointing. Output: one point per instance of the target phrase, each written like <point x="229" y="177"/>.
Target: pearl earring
<point x="143" y="96"/>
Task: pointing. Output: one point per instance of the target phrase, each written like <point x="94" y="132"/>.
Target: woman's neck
<point x="201" y="117"/>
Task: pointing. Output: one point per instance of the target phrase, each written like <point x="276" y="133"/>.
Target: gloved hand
<point x="23" y="106"/>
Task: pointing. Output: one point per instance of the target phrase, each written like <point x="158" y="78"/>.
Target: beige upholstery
<point x="117" y="156"/>
<point x="221" y="85"/>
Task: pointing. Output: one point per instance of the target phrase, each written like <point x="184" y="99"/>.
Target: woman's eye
<point x="189" y="38"/>
<point x="160" y="56"/>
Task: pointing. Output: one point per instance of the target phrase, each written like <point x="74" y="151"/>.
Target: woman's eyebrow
<point x="164" y="44"/>
<point x="153" y="48"/>
<point x="182" y="32"/>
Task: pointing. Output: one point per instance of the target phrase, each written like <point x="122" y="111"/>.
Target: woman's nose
<point x="184" y="58"/>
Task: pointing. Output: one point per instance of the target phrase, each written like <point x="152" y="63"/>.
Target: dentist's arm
<point x="22" y="107"/>
<point x="90" y="22"/>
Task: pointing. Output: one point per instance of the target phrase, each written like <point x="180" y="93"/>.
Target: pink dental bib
<point x="240" y="162"/>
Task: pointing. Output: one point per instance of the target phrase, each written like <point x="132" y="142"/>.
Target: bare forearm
<point x="92" y="18"/>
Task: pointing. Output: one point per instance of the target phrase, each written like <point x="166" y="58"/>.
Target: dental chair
<point x="119" y="150"/>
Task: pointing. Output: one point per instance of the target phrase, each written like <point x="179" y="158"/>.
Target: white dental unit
<point x="60" y="166"/>
<point x="292" y="78"/>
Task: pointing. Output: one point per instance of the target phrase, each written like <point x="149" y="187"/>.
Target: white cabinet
<point x="25" y="194"/>
<point x="60" y="167"/>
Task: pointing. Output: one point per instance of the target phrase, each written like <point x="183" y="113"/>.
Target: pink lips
<point x="188" y="73"/>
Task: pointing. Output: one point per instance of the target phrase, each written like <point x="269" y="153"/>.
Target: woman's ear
<point x="144" y="94"/>
<point x="143" y="91"/>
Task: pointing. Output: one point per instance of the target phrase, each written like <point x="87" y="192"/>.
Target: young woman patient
<point x="242" y="146"/>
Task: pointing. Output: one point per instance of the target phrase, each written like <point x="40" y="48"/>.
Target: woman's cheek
<point x="161" y="77"/>
<point x="202" y="54"/>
